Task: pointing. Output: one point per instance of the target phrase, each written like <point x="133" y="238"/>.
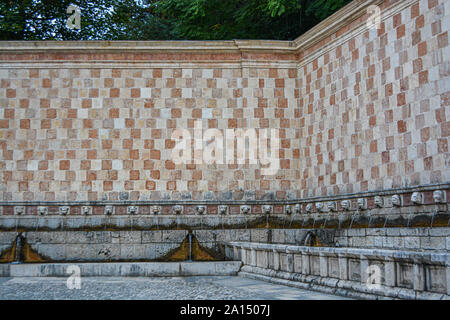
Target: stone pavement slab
<point x="149" y="288"/>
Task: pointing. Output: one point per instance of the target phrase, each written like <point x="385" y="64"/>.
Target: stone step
<point x="122" y="269"/>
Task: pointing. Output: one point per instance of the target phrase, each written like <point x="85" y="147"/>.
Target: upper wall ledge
<point x="144" y="46"/>
<point x="329" y="26"/>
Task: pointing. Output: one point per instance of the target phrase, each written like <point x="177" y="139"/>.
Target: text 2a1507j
<point x="249" y="309"/>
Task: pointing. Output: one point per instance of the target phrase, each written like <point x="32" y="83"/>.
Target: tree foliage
<point x="244" y="19"/>
<point x="163" y="19"/>
<point x="46" y="20"/>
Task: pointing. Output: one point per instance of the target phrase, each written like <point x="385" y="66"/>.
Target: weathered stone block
<point x="158" y="250"/>
<point x="81" y="237"/>
<point x="278" y="236"/>
<point x="205" y="235"/>
<point x="241" y="235"/>
<point x="314" y="265"/>
<point x="191" y="269"/>
<point x="151" y="236"/>
<point x="227" y="268"/>
<point x="56" y="252"/>
<point x="333" y="267"/>
<point x="176" y="236"/>
<point x="376" y="232"/>
<point x="432" y="243"/>
<point x="133" y="251"/>
<point x="130" y="237"/>
<point x="7" y="238"/>
<point x="439" y="232"/>
<point x="262" y="259"/>
<point x="436" y="278"/>
<point x="393" y="232"/>
<point x="298" y="263"/>
<point x="356" y="232"/>
<point x="258" y="235"/>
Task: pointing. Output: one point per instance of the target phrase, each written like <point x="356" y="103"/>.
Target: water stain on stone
<point x="21" y="251"/>
<point x="198" y="252"/>
<point x="7" y="255"/>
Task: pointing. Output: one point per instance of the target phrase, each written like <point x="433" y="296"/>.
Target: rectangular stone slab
<point x="123" y="269"/>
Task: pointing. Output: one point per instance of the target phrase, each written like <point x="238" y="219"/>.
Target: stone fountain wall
<point x="86" y="165"/>
<point x="55" y="234"/>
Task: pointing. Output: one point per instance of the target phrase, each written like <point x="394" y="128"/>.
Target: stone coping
<point x="146" y="46"/>
<point x="123" y="269"/>
<point x="416" y="256"/>
<point x="345" y="288"/>
<point x="335" y="22"/>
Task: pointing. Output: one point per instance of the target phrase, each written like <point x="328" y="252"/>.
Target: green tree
<point x="46" y="19"/>
<point x="244" y="19"/>
<point x="163" y="19"/>
<point x="100" y="19"/>
<point x="138" y="20"/>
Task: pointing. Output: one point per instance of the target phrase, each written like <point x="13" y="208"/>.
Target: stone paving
<point x="170" y="288"/>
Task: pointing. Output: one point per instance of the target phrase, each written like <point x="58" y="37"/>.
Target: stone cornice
<point x="233" y="46"/>
<point x="335" y="22"/>
<point x="198" y="64"/>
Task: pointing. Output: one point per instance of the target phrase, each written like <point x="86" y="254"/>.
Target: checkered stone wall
<point x="373" y="107"/>
<point x="359" y="110"/>
<point x="105" y="134"/>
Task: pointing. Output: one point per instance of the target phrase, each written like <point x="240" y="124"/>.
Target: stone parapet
<point x="363" y="273"/>
<point x="142" y="269"/>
